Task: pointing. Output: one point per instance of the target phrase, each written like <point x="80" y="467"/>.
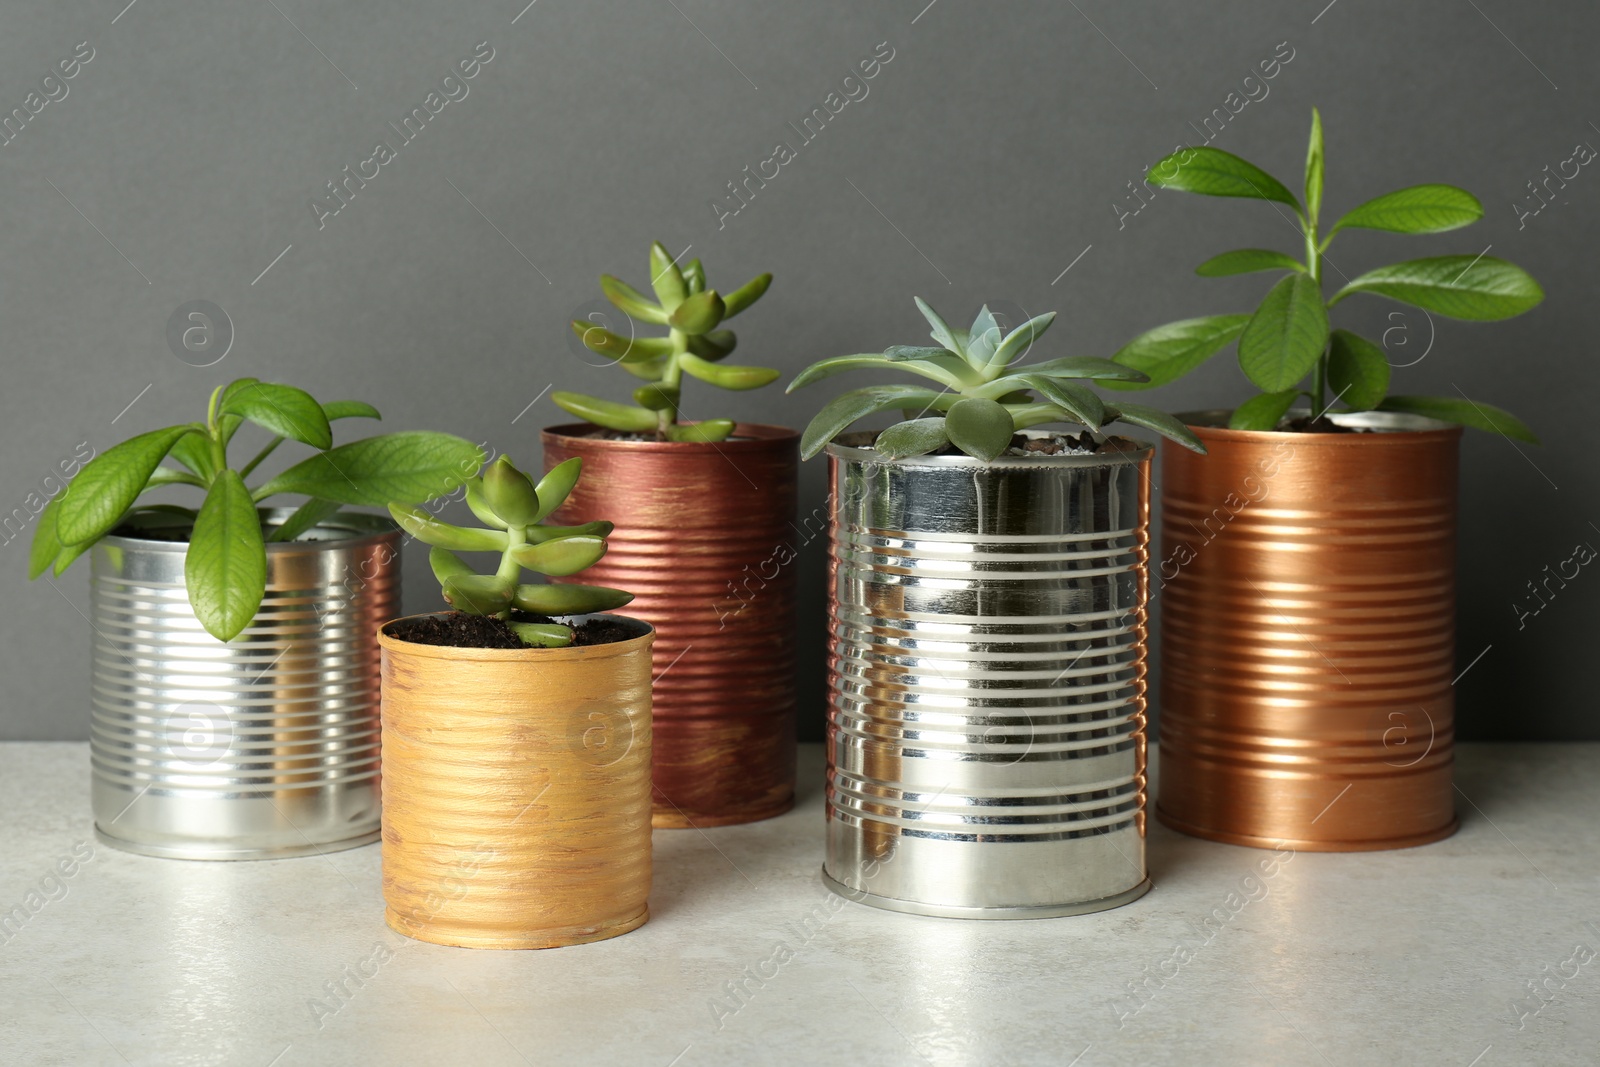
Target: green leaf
<point x="478" y="594"/>
<point x="1247" y="261"/>
<point x="658" y="397"/>
<point x="446" y="565"/>
<point x="942" y="332"/>
<point x="981" y="428"/>
<point x="225" y="567"/>
<point x="1077" y="401"/>
<point x="983" y="339"/>
<point x="1159" y="421"/>
<point x="1417" y="209"/>
<point x="561" y="556"/>
<point x="622" y="349"/>
<point x="1463" y="412"/>
<point x="510" y="493"/>
<point x="67" y="555"/>
<point x="598" y="528"/>
<point x="419" y="523"/>
<point x="283" y="409"/>
<point x="542" y="634"/>
<point x="480" y="507"/>
<point x="827" y="368"/>
<point x="46" y="546"/>
<point x="1475" y="288"/>
<point x="1314" y="168"/>
<point x="631" y="301"/>
<point x="704" y="432"/>
<point x="1089" y="367"/>
<point x="727" y="375"/>
<point x="408" y="466"/>
<point x="557" y="485"/>
<point x="714" y="345"/>
<point x="847" y="408"/>
<point x="194" y="452"/>
<point x="171" y="476"/>
<point x="349" y="409"/>
<point x="305" y="517"/>
<point x="93" y="502"/>
<point x="1358" y="372"/>
<point x="665" y="277"/>
<point x="624" y="418"/>
<point x="1020" y="339"/>
<point x="1168" y="352"/>
<point x="745" y="295"/>
<point x="651" y="370"/>
<point x="569" y="599"/>
<point x="915" y="437"/>
<point x="1217" y="173"/>
<point x="694" y="276"/>
<point x="699" y="313"/>
<point x="1263" y="412"/>
<point x="1285" y="338"/>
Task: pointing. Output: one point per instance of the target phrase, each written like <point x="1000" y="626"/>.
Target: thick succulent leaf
<point x="658" y="397"/>
<point x="632" y="302"/>
<point x="711" y="347"/>
<point x="225" y="566"/>
<point x="303" y="518"/>
<point x="694" y="276"/>
<point x="1285" y="338"/>
<point x="94" y="501"/>
<point x="1213" y="172"/>
<point x="727" y="375"/>
<point x="561" y="556"/>
<point x="827" y="368"/>
<point x="556" y="486"/>
<point x="942" y="332"/>
<point x="706" y="431"/>
<point x="1314" y="168"/>
<point x="1463" y="412"/>
<point x="478" y="594"/>
<point x="542" y="634"/>
<point x="1090" y="367"/>
<point x="622" y="349"/>
<point x="1020" y="340"/>
<point x="1077" y="401"/>
<point x="419" y="523"/>
<point x="745" y="295"/>
<point x="1475" y="288"/>
<point x="982" y="339"/>
<point x="283" y="409"/>
<point x="510" y="493"/>
<point x="1168" y="352"/>
<point x="446" y="565"/>
<point x="1358" y="372"/>
<point x="1247" y="261"/>
<point x="407" y="466"/>
<point x="699" y="313"/>
<point x="665" y="277"/>
<point x="915" y="437"/>
<point x="480" y="507"/>
<point x="624" y="418"/>
<point x="981" y="428"/>
<point x="1263" y="412"/>
<point x="598" y="528"/>
<point x="1159" y="421"/>
<point x="847" y="408"/>
<point x="651" y="370"/>
<point x="1417" y="209"/>
<point x="569" y="599"/>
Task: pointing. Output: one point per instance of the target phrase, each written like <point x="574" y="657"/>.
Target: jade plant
<point x="985" y="394"/>
<point x="1287" y="338"/>
<point x="225" y="565"/>
<point x="513" y="511"/>
<point x="695" y="345"/>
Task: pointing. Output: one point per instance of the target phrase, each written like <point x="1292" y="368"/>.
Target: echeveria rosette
<point x="984" y="395"/>
<point x="225" y="564"/>
<point x="695" y="345"/>
<point x="512" y="510"/>
<point x="1289" y="337"/>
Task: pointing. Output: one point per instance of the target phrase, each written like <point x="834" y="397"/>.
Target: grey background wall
<point x="990" y="154"/>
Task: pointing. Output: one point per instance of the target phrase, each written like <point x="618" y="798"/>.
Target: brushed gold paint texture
<point x="516" y="792"/>
<point x="705" y="539"/>
<point x="1308" y="638"/>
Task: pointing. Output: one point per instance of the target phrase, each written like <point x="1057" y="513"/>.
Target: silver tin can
<point x="986" y="727"/>
<point x="261" y="748"/>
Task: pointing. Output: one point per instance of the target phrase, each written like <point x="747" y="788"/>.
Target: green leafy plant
<point x="985" y="396"/>
<point x="226" y="563"/>
<point x="513" y="511"/>
<point x="1288" y="336"/>
<point x="695" y="345"/>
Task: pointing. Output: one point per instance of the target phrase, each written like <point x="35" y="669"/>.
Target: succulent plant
<point x="513" y="511"/>
<point x="695" y="345"/>
<point x="985" y="396"/>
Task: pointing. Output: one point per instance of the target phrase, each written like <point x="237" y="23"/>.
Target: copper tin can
<point x="1307" y="590"/>
<point x="703" y="541"/>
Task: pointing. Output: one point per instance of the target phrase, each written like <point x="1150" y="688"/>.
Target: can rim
<point x="642" y="639"/>
<point x="1213" y="423"/>
<point x="1140" y="451"/>
<point x="351" y="529"/>
<point x="747" y="437"/>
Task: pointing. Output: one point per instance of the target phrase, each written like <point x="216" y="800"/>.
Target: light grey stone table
<point x="1422" y="956"/>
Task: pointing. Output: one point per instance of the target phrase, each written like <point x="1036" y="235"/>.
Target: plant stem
<point x="244" y="471"/>
<point x="672" y="378"/>
<point x="1319" y="373"/>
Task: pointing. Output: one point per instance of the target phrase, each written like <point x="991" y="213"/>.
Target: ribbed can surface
<point x="1307" y="588"/>
<point x="263" y="747"/>
<point x="703" y="540"/>
<point x="986" y="747"/>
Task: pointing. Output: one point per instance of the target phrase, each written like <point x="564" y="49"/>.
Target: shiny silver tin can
<point x="986" y="728"/>
<point x="261" y="748"/>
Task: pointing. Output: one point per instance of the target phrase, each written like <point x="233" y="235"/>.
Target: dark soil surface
<point x="459" y="630"/>
<point x="1306" y="424"/>
<point x="620" y="435"/>
<point x="1021" y="445"/>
